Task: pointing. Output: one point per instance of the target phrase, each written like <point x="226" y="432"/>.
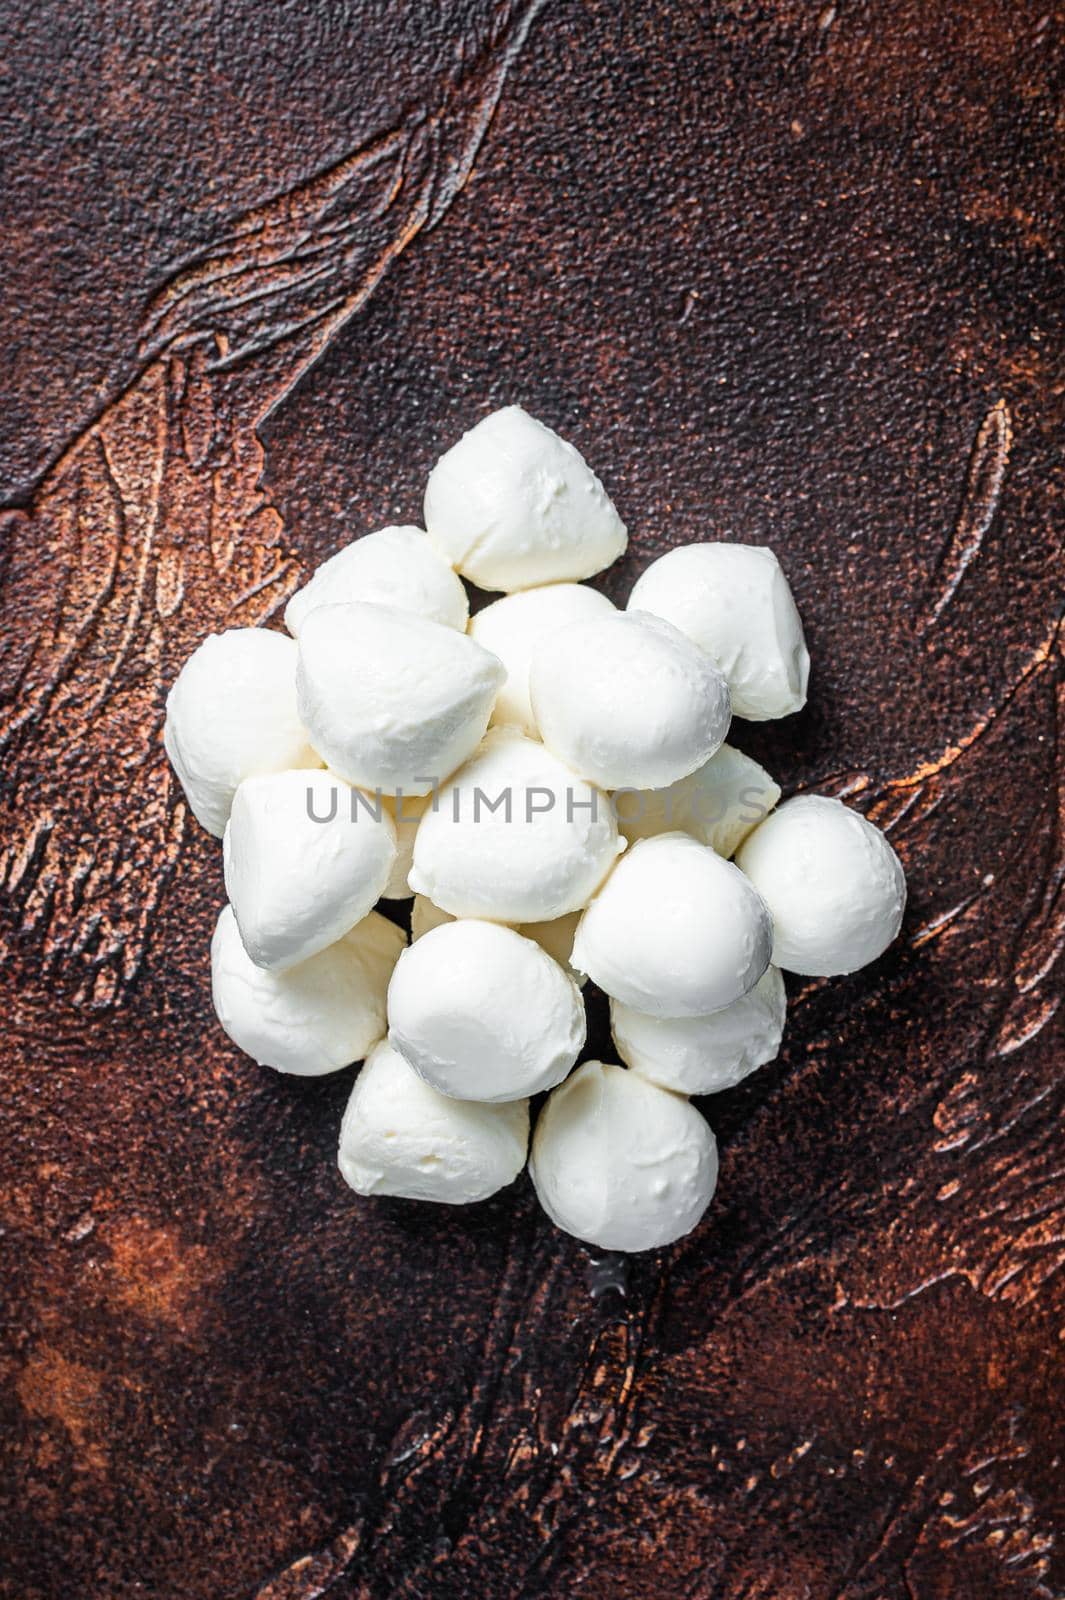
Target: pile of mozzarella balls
<point x="550" y="782"/>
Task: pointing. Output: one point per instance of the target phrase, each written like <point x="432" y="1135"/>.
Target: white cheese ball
<point x="306" y="857"/>
<point x="406" y="811"/>
<point x="391" y="700"/>
<point x="540" y="854"/>
<point x="734" y="601"/>
<point x="627" y="701"/>
<point x="620" y="1163"/>
<point x="556" y="937"/>
<point x="393" y="567"/>
<point x="704" y="1055"/>
<point x="400" y="1137"/>
<point x="483" y="1014"/>
<point x="675" y="931"/>
<point x="315" y="1018"/>
<point x="512" y="505"/>
<point x="513" y="628"/>
<point x="718" y="804"/>
<point x="230" y="715"/>
<point x="834" y="885"/>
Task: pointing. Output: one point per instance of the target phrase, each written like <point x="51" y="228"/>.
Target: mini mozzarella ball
<point x="314" y="1018"/>
<point x="718" y="804"/>
<point x="835" y="887"/>
<point x="406" y="811"/>
<point x="513" y="627"/>
<point x="400" y="1137"/>
<point x="555" y="937"/>
<point x="539" y="854"/>
<point x="483" y="1014"/>
<point x="620" y="1163"/>
<point x="394" y="567"/>
<point x="391" y="700"/>
<point x="675" y="931"/>
<point x="231" y="714"/>
<point x="512" y="505"/>
<point x="734" y="601"/>
<point x="704" y="1055"/>
<point x="306" y="857"/>
<point x="628" y="701"/>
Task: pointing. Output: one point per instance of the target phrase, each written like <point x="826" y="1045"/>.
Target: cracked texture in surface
<point x="785" y="273"/>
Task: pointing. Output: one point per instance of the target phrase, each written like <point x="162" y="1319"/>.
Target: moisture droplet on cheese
<point x="834" y="886"/>
<point x="620" y="1163"/>
<point x="401" y="1137"/>
<point x="704" y="1055"/>
<point x="394" y="567"/>
<point x="231" y="715"/>
<point x="314" y="1018"/>
<point x="734" y="602"/>
<point x="627" y="701"/>
<point x="306" y="857"/>
<point x="675" y="931"/>
<point x="483" y="1014"/>
<point x="391" y="700"/>
<point x="512" y="505"/>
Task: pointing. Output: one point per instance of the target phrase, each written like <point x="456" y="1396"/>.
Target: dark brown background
<point x="785" y="272"/>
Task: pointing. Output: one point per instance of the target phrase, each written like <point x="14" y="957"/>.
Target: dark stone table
<point x="784" y="272"/>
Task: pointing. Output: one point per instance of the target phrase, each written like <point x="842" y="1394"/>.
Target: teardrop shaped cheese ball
<point x="734" y="602"/>
<point x="315" y="1018"/>
<point x="391" y="700"/>
<point x="675" y="931"/>
<point x="514" y="837"/>
<point x="231" y="715"/>
<point x="513" y="628"/>
<point x="306" y="857"/>
<point x="393" y="567"/>
<point x="718" y="804"/>
<point x="406" y="811"/>
<point x="834" y="885"/>
<point x="620" y="1163"/>
<point x="704" y="1055"/>
<point x="627" y="701"/>
<point x="400" y="1137"/>
<point x="555" y="937"/>
<point x="512" y="505"/>
<point x="483" y="1014"/>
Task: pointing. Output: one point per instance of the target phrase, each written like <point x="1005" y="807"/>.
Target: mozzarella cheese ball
<point x="512" y="505"/>
<point x="400" y="1137"/>
<point x="718" y="804"/>
<point x="306" y="857"/>
<point x="394" y="567"/>
<point x="230" y="715"/>
<point x="628" y="701"/>
<point x="540" y="853"/>
<point x="734" y="602"/>
<point x="835" y="887"/>
<point x="483" y="1014"/>
<point x="391" y="700"/>
<point x="703" y="1055"/>
<point x="620" y="1163"/>
<point x="675" y="931"/>
<point x="513" y="628"/>
<point x="406" y="811"/>
<point x="314" y="1018"/>
<point x="555" y="937"/>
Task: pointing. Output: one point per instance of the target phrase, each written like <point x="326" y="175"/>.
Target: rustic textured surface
<point x="785" y="270"/>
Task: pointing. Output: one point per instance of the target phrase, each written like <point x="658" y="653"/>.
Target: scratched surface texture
<point x="785" y="272"/>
